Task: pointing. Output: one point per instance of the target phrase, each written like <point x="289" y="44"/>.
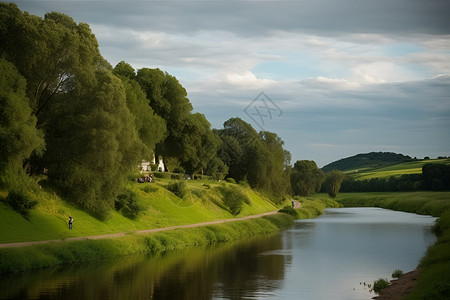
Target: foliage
<point x="397" y="273"/>
<point x="332" y="183"/>
<point x="289" y="210"/>
<point x="21" y="203"/>
<point x="380" y="284"/>
<point x="231" y="180"/>
<point x="19" y="137"/>
<point x="257" y="158"/>
<point x="234" y="198"/>
<point x="306" y="178"/>
<point x="178" y="188"/>
<point x="127" y="204"/>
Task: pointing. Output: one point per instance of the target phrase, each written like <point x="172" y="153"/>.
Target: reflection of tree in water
<point x="234" y="271"/>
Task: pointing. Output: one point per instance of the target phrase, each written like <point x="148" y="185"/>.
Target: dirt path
<point x="113" y="235"/>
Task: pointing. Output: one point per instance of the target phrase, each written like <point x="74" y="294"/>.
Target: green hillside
<point x="398" y="169"/>
<point x="366" y="160"/>
<point x="203" y="201"/>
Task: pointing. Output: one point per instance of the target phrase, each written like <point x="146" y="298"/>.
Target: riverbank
<point x="433" y="282"/>
<point x="161" y="210"/>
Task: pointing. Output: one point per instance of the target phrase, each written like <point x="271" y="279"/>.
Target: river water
<point x="334" y="256"/>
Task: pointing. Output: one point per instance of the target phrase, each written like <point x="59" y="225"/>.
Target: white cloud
<point x="248" y="80"/>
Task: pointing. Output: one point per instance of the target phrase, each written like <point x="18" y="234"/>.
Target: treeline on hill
<point x="434" y="177"/>
<point x="65" y="111"/>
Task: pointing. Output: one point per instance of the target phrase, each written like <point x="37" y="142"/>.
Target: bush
<point x="175" y="176"/>
<point x="233" y="198"/>
<point x="127" y="204"/>
<point x="397" y="274"/>
<point x="231" y="180"/>
<point x="178" y="188"/>
<point x="289" y="210"/>
<point x="20" y="203"/>
<point x="380" y="284"/>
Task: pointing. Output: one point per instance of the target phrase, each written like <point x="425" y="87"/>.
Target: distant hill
<point x="366" y="160"/>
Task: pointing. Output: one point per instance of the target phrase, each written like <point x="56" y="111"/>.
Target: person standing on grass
<point x="70" y="222"/>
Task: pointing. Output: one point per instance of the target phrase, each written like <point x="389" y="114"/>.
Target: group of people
<point x="146" y="178"/>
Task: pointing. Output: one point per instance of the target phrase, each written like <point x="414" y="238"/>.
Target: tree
<point x="92" y="144"/>
<point x="306" y="178"/>
<point x="51" y="53"/>
<point x="150" y="127"/>
<point x="436" y="176"/>
<point x="199" y="144"/>
<point x="124" y="69"/>
<point x="168" y="99"/>
<point x="18" y="134"/>
<point x="332" y="183"/>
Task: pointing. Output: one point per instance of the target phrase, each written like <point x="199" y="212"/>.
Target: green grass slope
<point x="160" y="208"/>
<point x="409" y="167"/>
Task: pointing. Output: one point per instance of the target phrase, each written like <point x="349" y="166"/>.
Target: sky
<point x="333" y="78"/>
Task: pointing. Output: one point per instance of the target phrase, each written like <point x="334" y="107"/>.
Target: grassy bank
<point x="434" y="280"/>
<point x="54" y="254"/>
<point x="202" y="202"/>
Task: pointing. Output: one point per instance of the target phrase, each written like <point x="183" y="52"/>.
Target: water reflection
<point x="232" y="271"/>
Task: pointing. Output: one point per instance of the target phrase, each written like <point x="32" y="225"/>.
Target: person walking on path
<point x="70" y="222"/>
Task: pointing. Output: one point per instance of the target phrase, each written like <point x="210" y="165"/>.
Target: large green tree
<point x="18" y="134"/>
<point x="151" y="128"/>
<point x="306" y="178"/>
<point x="258" y="158"/>
<point x="50" y="53"/>
<point x="332" y="183"/>
<point x="93" y="144"/>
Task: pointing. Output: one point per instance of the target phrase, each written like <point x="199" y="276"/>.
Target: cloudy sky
<point x="332" y="78"/>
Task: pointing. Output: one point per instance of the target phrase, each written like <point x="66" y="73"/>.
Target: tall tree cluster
<point x="64" y="109"/>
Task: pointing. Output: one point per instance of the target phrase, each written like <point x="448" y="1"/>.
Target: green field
<point x="410" y="167"/>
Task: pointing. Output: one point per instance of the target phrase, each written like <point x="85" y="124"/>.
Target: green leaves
<point x="18" y="134"/>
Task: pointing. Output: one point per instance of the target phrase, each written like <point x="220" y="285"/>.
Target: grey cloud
<point x="249" y="18"/>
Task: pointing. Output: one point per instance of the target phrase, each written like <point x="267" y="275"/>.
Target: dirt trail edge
<point x="113" y="235"/>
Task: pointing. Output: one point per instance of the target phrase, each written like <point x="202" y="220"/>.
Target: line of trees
<point x="64" y="109"/>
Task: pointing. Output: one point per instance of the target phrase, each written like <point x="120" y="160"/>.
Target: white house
<point x="145" y="166"/>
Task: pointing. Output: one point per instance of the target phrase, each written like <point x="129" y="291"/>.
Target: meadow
<point x="409" y="167"/>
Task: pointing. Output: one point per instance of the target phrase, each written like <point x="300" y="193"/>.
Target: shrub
<point x="127" y="204"/>
<point x="289" y="210"/>
<point x="380" y="284"/>
<point x="178" y="188"/>
<point x="20" y="203"/>
<point x="231" y="180"/>
<point x="175" y="176"/>
<point x="233" y="198"/>
<point x="397" y="274"/>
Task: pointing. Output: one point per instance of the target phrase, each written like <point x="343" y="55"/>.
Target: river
<point x="334" y="256"/>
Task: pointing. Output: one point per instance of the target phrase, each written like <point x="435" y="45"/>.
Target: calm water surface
<point x="329" y="257"/>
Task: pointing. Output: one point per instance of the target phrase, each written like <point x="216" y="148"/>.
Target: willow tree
<point x="18" y="134"/>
